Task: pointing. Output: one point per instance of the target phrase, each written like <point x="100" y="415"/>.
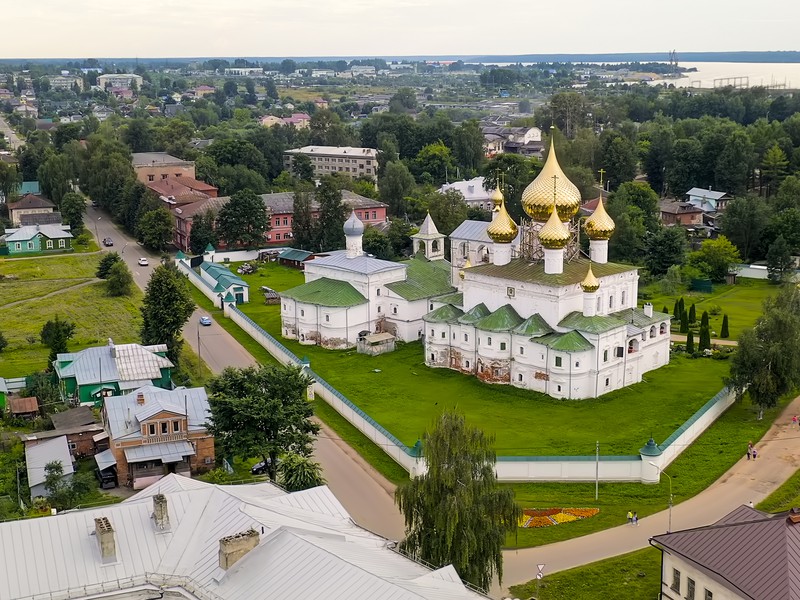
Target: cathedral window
<point x="605" y="355"/>
<point x="608" y="381"/>
<point x="599" y="304"/>
<point x="519" y="377"/>
<point x="558" y="361"/>
<point x="611" y="302"/>
<point x="522" y="350"/>
<point x="622" y="299"/>
<point x="489" y="341"/>
<point x="466" y="337"/>
<point x="432" y="334"/>
<point x="663" y="329"/>
<point x="653" y="331"/>
<point x="302" y="313"/>
<point x="577" y="364"/>
<point x="444" y="335"/>
<point x="558" y="388"/>
<point x="502" y="345"/>
<point x="327" y="318"/>
<point x="378" y="292"/>
<point x="466" y="364"/>
<point x="394" y="310"/>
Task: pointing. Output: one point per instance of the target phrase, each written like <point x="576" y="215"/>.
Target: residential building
<point x="82" y="440"/>
<point x="153" y="166"/>
<point x="746" y="555"/>
<point x="189" y="539"/>
<point x="66" y="83"/>
<point x="347" y="160"/>
<point x="90" y="375"/>
<point x="52" y="218"/>
<point x="154" y="432"/>
<point x="315" y="73"/>
<point x="709" y="201"/>
<point x="475" y="195"/>
<point x="680" y="213"/>
<point x="533" y="312"/>
<point x="244" y="72"/>
<point x="500" y="139"/>
<point x="348" y="294"/>
<point x="29" y="204"/>
<point x="185" y="214"/>
<point x="120" y="80"/>
<point x="38" y="456"/>
<point x="224" y="282"/>
<point x="363" y="71"/>
<point x="38" y="238"/>
<point x="299" y="120"/>
<point x="182" y="190"/>
<point x="201" y="91"/>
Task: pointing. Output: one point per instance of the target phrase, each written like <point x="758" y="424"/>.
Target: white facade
<point x="120" y="80"/>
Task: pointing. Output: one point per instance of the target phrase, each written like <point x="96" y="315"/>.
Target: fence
<point x="200" y="283"/>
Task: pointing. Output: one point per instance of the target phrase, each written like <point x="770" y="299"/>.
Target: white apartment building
<point x="120" y="80"/>
<point x="346" y="160"/>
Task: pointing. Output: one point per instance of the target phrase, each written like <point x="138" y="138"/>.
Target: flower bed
<point x="546" y="517"/>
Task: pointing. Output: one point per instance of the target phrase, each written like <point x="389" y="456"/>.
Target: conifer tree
<point x="704" y="320"/>
<point x="676" y="310"/>
<point x="684" y="322"/>
<point x="690" y="342"/>
<point x="705" y="339"/>
<point x="665" y="310"/>
<point x="692" y="314"/>
<point x="724" y="332"/>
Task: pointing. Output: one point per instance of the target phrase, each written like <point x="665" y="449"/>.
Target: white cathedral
<point x="518" y="305"/>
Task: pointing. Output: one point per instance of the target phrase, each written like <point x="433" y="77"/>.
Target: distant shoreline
<point x="772" y="56"/>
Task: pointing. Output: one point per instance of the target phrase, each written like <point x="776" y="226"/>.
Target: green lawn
<point x="741" y="302"/>
<point x="633" y="576"/>
<point x="785" y="497"/>
<point x="62" y="267"/>
<point x="12" y="290"/>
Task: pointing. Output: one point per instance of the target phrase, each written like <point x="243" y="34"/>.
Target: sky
<point x="297" y="28"/>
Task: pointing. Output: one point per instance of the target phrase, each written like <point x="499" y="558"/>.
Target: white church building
<point x="533" y="312"/>
<point x="348" y="295"/>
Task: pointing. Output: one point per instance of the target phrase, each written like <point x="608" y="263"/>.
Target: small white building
<point x="475" y="195"/>
<point x="348" y="294"/>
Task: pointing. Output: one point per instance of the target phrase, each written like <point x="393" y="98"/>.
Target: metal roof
<point x="366" y="265"/>
<point x="74" y="417"/>
<point x="105" y="459"/>
<point x="424" y="279"/>
<point x="124" y="414"/>
<point x="504" y="318"/>
<point x="37" y="456"/>
<point x="704" y="193"/>
<point x="475" y="231"/>
<point x="571" y="341"/>
<point x="22" y="234"/>
<point x="427" y="231"/>
<point x="312" y="547"/>
<point x="294" y="254"/>
<point x="521" y="270"/>
<point x="755" y="557"/>
<point x="166" y="452"/>
<point x="444" y="314"/>
<point x="471" y="189"/>
<point x="326" y="292"/>
<point x="223" y="275"/>
<point x="121" y="362"/>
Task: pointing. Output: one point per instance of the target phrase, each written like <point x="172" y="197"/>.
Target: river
<point x="757" y="74"/>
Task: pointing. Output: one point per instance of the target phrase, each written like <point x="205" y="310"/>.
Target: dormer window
<point x="164" y="427"/>
<point x="176" y="426"/>
<point x="151" y="429"/>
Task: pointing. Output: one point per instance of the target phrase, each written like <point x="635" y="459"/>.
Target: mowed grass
<point x="784" y="498"/>
<point x="61" y="267"/>
<point x="743" y="303"/>
<point x="15" y="290"/>
<point x="633" y="576"/>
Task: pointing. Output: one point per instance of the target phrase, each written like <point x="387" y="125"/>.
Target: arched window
<point x="435" y="246"/>
<point x="663" y="329"/>
<point x="652" y="332"/>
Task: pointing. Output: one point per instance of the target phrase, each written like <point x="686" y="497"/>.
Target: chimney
<point x="234" y="547"/>
<point x="648" y="309"/>
<point x="794" y="516"/>
<point x="112" y="348"/>
<point x="140" y="398"/>
<point x="105" y="540"/>
<point x="160" y="512"/>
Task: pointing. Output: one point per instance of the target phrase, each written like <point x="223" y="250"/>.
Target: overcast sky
<point x="166" y="28"/>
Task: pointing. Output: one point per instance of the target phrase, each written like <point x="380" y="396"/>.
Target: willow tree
<point x="456" y="513"/>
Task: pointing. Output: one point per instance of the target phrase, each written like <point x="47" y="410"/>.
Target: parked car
<point x="260" y="468"/>
<point x="107" y="478"/>
<point x="108" y="242"/>
<point x="143" y="262"/>
<point x="205" y="321"/>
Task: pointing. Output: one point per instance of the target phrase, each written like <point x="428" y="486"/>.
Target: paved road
<point x="12" y="138"/>
<point x="365" y="493"/>
<point x="747" y="481"/>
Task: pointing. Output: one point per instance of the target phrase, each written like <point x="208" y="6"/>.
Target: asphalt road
<point x="366" y="495"/>
<point x="12" y="138"/>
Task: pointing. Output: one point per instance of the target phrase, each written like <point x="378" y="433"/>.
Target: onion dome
<point x="554" y="235"/>
<point x="467" y="265"/>
<point x="537" y="199"/>
<point x="502" y="230"/>
<point x="590" y="283"/>
<point x="599" y="226"/>
<point x="497" y="198"/>
<point x="353" y="225"/>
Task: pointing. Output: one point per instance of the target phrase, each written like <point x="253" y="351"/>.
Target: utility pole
<point x="200" y="360"/>
<point x="597" y="470"/>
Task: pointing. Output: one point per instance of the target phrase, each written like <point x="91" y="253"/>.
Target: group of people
<point x="633" y="518"/>
<point x="751" y="451"/>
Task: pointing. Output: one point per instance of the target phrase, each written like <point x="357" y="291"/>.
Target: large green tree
<point x="243" y="221"/>
<point x="154" y="229"/>
<point x="302" y="167"/>
<point x="120" y="280"/>
<point x="774" y="166"/>
<point x="298" y="472"/>
<point x="332" y="215"/>
<point x="618" y="158"/>
<point x="55" y="334"/>
<point x="766" y="364"/>
<point x="715" y="258"/>
<point x="468" y="143"/>
<point x="10" y="179"/>
<point x="743" y="223"/>
<point x="55" y="177"/>
<point x="434" y="164"/>
<point x="203" y="232"/>
<point x="448" y="210"/>
<point x="166" y="307"/>
<point x="780" y="263"/>
<point x="665" y="247"/>
<point x="138" y="135"/>
<point x="262" y="411"/>
<point x="395" y="184"/>
<point x="72" y="207"/>
<point x="640" y="195"/>
<point x="456" y="513"/>
<point x="304" y="229"/>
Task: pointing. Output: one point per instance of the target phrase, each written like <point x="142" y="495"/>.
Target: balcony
<point x="167" y="437"/>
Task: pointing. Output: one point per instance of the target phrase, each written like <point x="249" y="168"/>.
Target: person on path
<point x="794" y="421"/>
<point x="749" y="451"/>
<point x="636" y="518"/>
<point x="755" y="453"/>
<point x="630" y="518"/>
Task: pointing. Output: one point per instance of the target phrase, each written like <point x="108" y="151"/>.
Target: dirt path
<point x="83" y="283"/>
<point x="680" y="338"/>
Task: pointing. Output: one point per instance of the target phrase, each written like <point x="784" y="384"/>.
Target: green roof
<point x="636" y="316"/>
<point x="456" y="299"/>
<point x="571" y="341"/>
<point x="574" y="271"/>
<point x="533" y="326"/>
<point x="326" y="292"/>
<point x="210" y="248"/>
<point x="294" y="254"/>
<point x="474" y="314"/>
<point x="229" y="297"/>
<point x="424" y="279"/>
<point x="222" y="275"/>
<point x="444" y="314"/>
<point x="180" y="255"/>
<point x="596" y="324"/>
<point x="504" y="318"/>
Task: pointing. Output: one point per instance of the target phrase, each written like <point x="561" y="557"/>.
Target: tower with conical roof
<point x="599" y="227"/>
<point x="502" y="231"/>
<point x="353" y="233"/>
<point x="590" y="285"/>
<point x="429" y="240"/>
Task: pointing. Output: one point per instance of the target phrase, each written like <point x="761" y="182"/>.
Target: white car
<point x="143" y="262"/>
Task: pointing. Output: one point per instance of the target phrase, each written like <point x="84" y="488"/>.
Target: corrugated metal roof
<point x="574" y="271"/>
<point x="704" y="193"/>
<point x="365" y="265"/>
<point x="444" y="314"/>
<point x="294" y="254"/>
<point x="427" y="231"/>
<point x="312" y="548"/>
<point x="223" y="275"/>
<point x="456" y="299"/>
<point x="757" y="558"/>
<point x="572" y="341"/>
<point x="23" y="405"/>
<point x="533" y="326"/>
<point x="166" y="452"/>
<point x="105" y="459"/>
<point x="595" y="324"/>
<point x="97" y="365"/>
<point x="424" y="279"/>
<point x="124" y="414"/>
<point x="74" y="417"/>
<point x="474" y="314"/>
<point x="475" y="231"/>
<point x="504" y="318"/>
<point x="39" y="455"/>
<point x="326" y="292"/>
<point x="22" y="234"/>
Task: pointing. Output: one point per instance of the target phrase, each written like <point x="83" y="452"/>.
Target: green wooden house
<point x="38" y="238"/>
<point x="111" y="370"/>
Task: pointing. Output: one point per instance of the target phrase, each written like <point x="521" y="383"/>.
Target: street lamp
<point x="97" y="235"/>
<point x="661" y="471"/>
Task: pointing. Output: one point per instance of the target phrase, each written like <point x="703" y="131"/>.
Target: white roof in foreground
<point x="475" y="231"/>
<point x="308" y="548"/>
<point x="38" y="456"/>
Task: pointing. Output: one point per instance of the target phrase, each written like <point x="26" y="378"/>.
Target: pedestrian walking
<point x="755" y="453"/>
<point x="750" y="504"/>
<point x="749" y="451"/>
<point x="630" y="517"/>
<point x="636" y="518"/>
<point x="794" y="421"/>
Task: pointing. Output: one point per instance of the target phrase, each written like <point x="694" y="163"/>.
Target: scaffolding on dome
<point x="531" y="249"/>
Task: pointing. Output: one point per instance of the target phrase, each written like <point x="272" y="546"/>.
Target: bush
<point x="3" y="342"/>
<point x="108" y="261"/>
<point x="714" y="309"/>
<point x="120" y="280"/>
<point x="724" y="333"/>
<point x="84" y="239"/>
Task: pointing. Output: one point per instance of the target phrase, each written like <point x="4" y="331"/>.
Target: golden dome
<point x="502" y="230"/>
<point x="497" y="198"/>
<point x="599" y="226"/>
<point x="467" y="265"/>
<point x="590" y="283"/>
<point x="554" y="235"/>
<point x="537" y="199"/>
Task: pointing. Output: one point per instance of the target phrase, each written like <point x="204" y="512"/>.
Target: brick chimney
<point x="160" y="513"/>
<point x="105" y="540"/>
<point x="140" y="398"/>
<point x="794" y="516"/>
<point x="234" y="547"/>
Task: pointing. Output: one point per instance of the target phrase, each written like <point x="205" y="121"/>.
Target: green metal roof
<point x="571" y="341"/>
<point x="475" y="313"/>
<point x="229" y="297"/>
<point x="294" y="254"/>
<point x="224" y="276"/>
<point x="456" y="299"/>
<point x="636" y="316"/>
<point x="210" y="248"/>
<point x="596" y="324"/>
<point x="533" y="326"/>
<point x="444" y="314"/>
<point x="180" y="255"/>
<point x="326" y="292"/>
<point x="504" y="318"/>
<point x="424" y="279"/>
<point x="574" y="271"/>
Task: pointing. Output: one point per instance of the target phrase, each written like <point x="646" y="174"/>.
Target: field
<point x="741" y="302"/>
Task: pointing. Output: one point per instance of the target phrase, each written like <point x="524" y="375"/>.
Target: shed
<point x="375" y="344"/>
<point x="24" y="408"/>
<point x="270" y="295"/>
<point x="294" y="257"/>
<point x="38" y="456"/>
<point x="74" y="417"/>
